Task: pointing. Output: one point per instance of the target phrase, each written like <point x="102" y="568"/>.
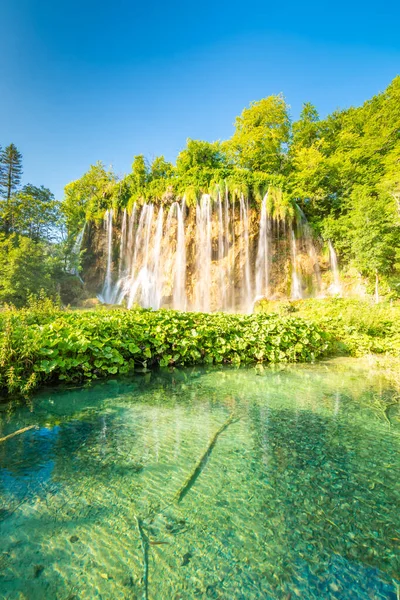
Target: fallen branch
<point x="11" y="435"/>
<point x="202" y="462"/>
<point x="145" y="549"/>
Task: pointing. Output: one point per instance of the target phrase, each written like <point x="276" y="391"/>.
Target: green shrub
<point x="38" y="347"/>
<point x="359" y="327"/>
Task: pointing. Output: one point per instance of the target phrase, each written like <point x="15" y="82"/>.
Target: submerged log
<point x="11" y="435"/>
<point x="145" y="549"/>
<point x="203" y="460"/>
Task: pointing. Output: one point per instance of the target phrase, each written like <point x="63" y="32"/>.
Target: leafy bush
<point x="359" y="327"/>
<point x="38" y="347"/>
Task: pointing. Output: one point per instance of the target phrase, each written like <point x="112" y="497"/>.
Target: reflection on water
<point x="298" y="497"/>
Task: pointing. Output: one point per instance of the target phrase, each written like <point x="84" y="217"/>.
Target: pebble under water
<point x="204" y="483"/>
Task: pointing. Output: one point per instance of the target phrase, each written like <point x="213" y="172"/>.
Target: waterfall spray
<point x="212" y="256"/>
<point x="262" y="262"/>
<point x="76" y="251"/>
<point x="204" y="247"/>
<point x="297" y="293"/>
<point x="246" y="289"/>
<point x="179" y="294"/>
<point x="335" y="288"/>
<point x="107" y="291"/>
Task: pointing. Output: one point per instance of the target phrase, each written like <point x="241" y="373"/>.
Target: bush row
<point x="41" y="347"/>
<point x="358" y="327"/>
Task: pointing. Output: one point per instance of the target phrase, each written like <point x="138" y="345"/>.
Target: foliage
<point x="261" y="132"/>
<point x="25" y="267"/>
<point x="10" y="177"/>
<point x="89" y="196"/>
<point x="11" y="170"/>
<point x="342" y="171"/>
<point x="359" y="327"/>
<point x="51" y="345"/>
<point x="33" y="212"/>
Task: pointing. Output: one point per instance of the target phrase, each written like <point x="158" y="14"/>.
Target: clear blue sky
<point x="91" y="80"/>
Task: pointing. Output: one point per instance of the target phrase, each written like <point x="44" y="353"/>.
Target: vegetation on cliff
<point x="343" y="171"/>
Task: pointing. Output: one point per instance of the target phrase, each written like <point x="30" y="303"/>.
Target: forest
<point x="343" y="171"/>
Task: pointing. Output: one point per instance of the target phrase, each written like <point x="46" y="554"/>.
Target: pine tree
<point x="10" y="171"/>
<point x="10" y="178"/>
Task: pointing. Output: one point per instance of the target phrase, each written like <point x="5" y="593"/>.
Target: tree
<point x="88" y="196"/>
<point x="24" y="269"/>
<point x="306" y="130"/>
<point x="139" y="171"/>
<point x="160" y="168"/>
<point x="261" y="133"/>
<point x="200" y="155"/>
<point x="36" y="214"/>
<point x="373" y="231"/>
<point x="10" y="178"/>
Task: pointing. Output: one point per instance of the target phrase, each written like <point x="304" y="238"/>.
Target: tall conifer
<point x="10" y="178"/>
<point x="10" y="171"/>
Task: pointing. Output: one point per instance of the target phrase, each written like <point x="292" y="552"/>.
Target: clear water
<point x="299" y="496"/>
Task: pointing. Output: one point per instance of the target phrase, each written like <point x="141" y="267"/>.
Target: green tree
<point x="160" y="168"/>
<point x="25" y="269"/>
<point x="374" y="232"/>
<point x="261" y="134"/>
<point x="36" y="214"/>
<point x="306" y="130"/>
<point x="200" y="155"/>
<point x="10" y="178"/>
<point x="88" y="196"/>
<point x="139" y="171"/>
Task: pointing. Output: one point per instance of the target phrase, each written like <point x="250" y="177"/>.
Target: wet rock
<point x="38" y="570"/>
<point x="186" y="559"/>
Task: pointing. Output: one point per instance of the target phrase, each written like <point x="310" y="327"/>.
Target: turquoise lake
<point x="233" y="483"/>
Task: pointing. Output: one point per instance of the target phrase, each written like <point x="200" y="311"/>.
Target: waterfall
<point x="308" y="242"/>
<point x="245" y="255"/>
<point x="336" y="287"/>
<point x="215" y="255"/>
<point x="297" y="293"/>
<point x="141" y="283"/>
<point x="179" y="294"/>
<point x="75" y="254"/>
<point x="262" y="261"/>
<point x="107" y="295"/>
<point x="377" y="288"/>
<point x="221" y="254"/>
<point x="204" y="248"/>
<point x="122" y="245"/>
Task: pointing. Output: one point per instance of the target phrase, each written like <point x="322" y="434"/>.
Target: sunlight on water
<point x="298" y="497"/>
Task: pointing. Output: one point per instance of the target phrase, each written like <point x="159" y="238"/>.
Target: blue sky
<point x="93" y="80"/>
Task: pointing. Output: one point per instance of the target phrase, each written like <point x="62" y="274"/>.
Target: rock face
<point x="218" y="255"/>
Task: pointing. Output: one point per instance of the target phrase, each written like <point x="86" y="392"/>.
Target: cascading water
<point x="179" y="294"/>
<point x="204" y="245"/>
<point x="262" y="261"/>
<point x="122" y="246"/>
<point x="297" y="292"/>
<point x="107" y="294"/>
<point x="336" y="287"/>
<point x="221" y="253"/>
<point x="308" y="242"/>
<point x="247" y="296"/>
<point x="75" y="254"/>
<point x="216" y="255"/>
